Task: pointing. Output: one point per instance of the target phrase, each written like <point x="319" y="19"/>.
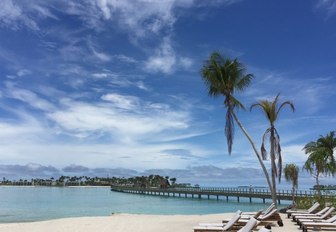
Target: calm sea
<point x="23" y="204"/>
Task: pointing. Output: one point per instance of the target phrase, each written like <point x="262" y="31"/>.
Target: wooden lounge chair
<point x="223" y="227"/>
<point x="319" y="213"/>
<point x="266" y="211"/>
<point x="265" y="219"/>
<point x="221" y="224"/>
<point x="326" y="215"/>
<point x="250" y="225"/>
<point x="312" y="209"/>
<point x="263" y="229"/>
<point x="319" y="225"/>
<point x="257" y="215"/>
<point x="307" y="221"/>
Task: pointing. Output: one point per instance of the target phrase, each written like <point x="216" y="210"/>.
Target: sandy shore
<point x="129" y="223"/>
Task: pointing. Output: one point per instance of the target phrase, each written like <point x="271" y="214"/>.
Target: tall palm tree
<point x="271" y="109"/>
<point x="328" y="144"/>
<point x="321" y="158"/>
<point x="225" y="77"/>
<point x="292" y="175"/>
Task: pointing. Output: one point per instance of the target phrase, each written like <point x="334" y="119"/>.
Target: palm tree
<point x="271" y="111"/>
<point x="224" y="77"/>
<point x="328" y="144"/>
<point x="292" y="175"/>
<point x="321" y="158"/>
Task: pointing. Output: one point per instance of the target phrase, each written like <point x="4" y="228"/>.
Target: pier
<point x="217" y="193"/>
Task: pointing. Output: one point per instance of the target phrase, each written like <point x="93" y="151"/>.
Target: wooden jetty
<point x="216" y="193"/>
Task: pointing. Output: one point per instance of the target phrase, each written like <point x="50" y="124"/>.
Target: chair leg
<point x="280" y="223"/>
<point x="304" y="229"/>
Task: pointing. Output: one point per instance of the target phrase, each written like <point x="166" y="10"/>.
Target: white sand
<point x="129" y="223"/>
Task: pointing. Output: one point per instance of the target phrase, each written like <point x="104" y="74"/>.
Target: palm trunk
<point x="274" y="171"/>
<point x="255" y="151"/>
<point x="318" y="185"/>
<point x="293" y="194"/>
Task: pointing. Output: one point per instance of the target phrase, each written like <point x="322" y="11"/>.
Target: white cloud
<point x="101" y="56"/>
<point x="28" y="97"/>
<point x="23" y="72"/>
<point x="19" y="14"/>
<point x="12" y="16"/>
<point x="328" y="5"/>
<point x="121" y="101"/>
<point x="125" y="59"/>
<point x="165" y="59"/>
<point x="141" y="85"/>
<point x="128" y="123"/>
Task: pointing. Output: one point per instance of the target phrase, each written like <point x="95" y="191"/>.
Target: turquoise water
<point x="23" y="204"/>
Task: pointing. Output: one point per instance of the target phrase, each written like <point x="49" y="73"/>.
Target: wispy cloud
<point x="328" y="5"/>
<point x="111" y="126"/>
<point x="165" y="59"/>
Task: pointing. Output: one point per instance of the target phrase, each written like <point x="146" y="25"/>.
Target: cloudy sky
<point x="114" y="87"/>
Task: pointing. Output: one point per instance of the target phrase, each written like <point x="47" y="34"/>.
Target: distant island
<point x="156" y="181"/>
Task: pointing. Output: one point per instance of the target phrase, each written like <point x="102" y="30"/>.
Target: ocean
<point x="27" y="204"/>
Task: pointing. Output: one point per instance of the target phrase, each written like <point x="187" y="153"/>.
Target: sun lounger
<point x="307" y="221"/>
<point x="256" y="215"/>
<point x="250" y="225"/>
<point x="269" y="209"/>
<point x="312" y="217"/>
<point x="318" y="225"/>
<point x="265" y="219"/>
<point x="319" y="213"/>
<point x="312" y="209"/>
<point x="263" y="229"/>
<point x="223" y="227"/>
<point x="221" y="224"/>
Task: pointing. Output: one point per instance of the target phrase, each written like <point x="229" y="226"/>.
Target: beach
<point x="129" y="223"/>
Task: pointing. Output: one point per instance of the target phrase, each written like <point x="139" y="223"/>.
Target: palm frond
<point x="277" y="151"/>
<point x="244" y="82"/>
<point x="222" y="77"/>
<point x="283" y="104"/>
<point x="263" y="150"/>
<point x="236" y="103"/>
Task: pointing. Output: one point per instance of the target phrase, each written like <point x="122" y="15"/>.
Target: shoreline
<point x="121" y="222"/>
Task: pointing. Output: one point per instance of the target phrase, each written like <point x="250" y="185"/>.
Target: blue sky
<point x="114" y="87"/>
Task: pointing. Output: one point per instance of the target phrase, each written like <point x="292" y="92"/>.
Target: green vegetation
<point x="152" y="181"/>
<point x="292" y="174"/>
<point x="307" y="202"/>
<point x="321" y="158"/>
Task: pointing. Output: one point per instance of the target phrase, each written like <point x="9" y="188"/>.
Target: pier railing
<point x="250" y="193"/>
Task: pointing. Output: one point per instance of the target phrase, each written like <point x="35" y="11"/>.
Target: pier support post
<point x="217" y="197"/>
<point x="238" y="199"/>
<point x="250" y="199"/>
<point x="199" y="196"/>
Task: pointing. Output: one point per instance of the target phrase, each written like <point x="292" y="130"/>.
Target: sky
<point x="108" y="87"/>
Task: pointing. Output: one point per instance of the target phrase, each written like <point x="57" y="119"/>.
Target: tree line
<point x="136" y="181"/>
